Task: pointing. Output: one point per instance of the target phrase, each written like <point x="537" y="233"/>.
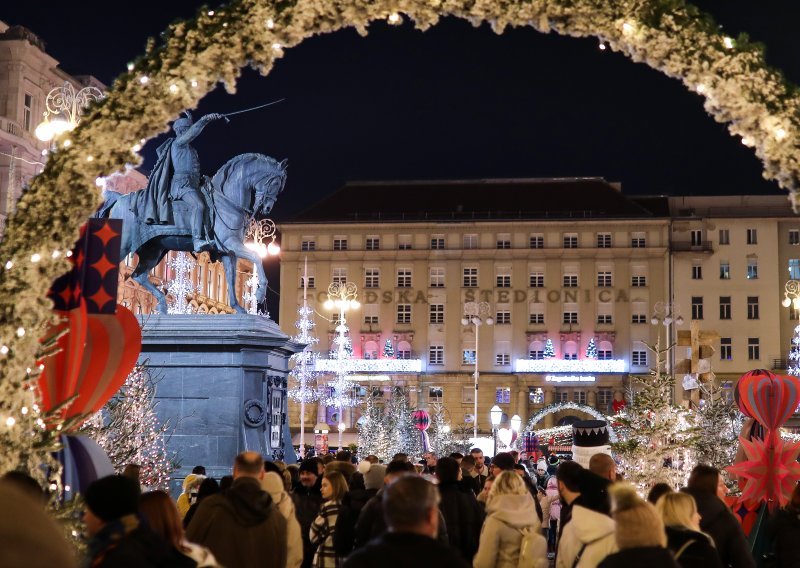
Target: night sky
<point x="454" y="102"/>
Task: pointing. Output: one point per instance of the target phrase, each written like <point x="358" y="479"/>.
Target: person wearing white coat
<point x="509" y="510"/>
<point x="273" y="485"/>
<point x="590" y="532"/>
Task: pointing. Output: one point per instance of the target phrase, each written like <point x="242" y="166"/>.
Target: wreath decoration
<point x="191" y="57"/>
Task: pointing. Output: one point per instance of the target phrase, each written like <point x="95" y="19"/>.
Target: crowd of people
<point x="454" y="511"/>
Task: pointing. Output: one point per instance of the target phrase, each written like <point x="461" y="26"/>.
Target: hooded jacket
<point x="718" y="522"/>
<point x="586" y="527"/>
<point x="307" y="502"/>
<point x="463" y="517"/>
<point x="273" y="485"/>
<point x="190" y="482"/>
<point x="501" y="536"/>
<point x="696" y="548"/>
<point x="242" y="527"/>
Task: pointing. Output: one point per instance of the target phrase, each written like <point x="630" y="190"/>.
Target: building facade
<point x="561" y="264"/>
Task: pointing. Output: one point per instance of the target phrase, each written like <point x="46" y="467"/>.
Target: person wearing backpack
<point x="691" y="547"/>
<point x="510" y="536"/>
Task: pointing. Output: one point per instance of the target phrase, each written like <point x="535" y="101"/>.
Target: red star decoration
<point x="106" y="233"/>
<point x="769" y="472"/>
<point x="102" y="265"/>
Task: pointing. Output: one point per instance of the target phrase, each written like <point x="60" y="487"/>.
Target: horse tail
<point x="109" y="199"/>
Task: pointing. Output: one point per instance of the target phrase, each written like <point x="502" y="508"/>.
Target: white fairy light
<point x="24" y="410"/>
<point x="10" y="421"/>
<point x="173" y="88"/>
<point x="67" y="143"/>
<point x="728" y="42"/>
<point x="136" y="147"/>
<point x="9" y="265"/>
<point x="270" y="24"/>
<point x="211" y="12"/>
<point x="194" y="83"/>
<point x="181" y="285"/>
<point x="277" y="47"/>
<point x="780" y="134"/>
<point x="144" y="79"/>
<point x="602" y="46"/>
<point x="36" y="257"/>
<point x="701" y="88"/>
<point x="4" y="350"/>
<point x="56" y="253"/>
<point x="627" y="28"/>
<point x="90" y="158"/>
<point x="20" y="331"/>
<point x="748" y="141"/>
<point x="394" y="18"/>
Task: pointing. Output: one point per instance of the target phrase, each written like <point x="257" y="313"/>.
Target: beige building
<point x="562" y="261"/>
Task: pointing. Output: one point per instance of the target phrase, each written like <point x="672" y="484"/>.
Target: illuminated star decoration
<point x="769" y="473"/>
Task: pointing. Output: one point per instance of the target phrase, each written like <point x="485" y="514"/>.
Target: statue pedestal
<point x="221" y="384"/>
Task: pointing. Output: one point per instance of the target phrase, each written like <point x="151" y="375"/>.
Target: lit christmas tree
<point x="372" y="435"/>
<point x="403" y="434"/>
<point x="656" y="436"/>
<point x="388" y="349"/>
<point x="794" y="354"/>
<point x="549" y="351"/>
<point x="129" y="431"/>
<point x="444" y="440"/>
<point x="591" y="349"/>
<point x="181" y="286"/>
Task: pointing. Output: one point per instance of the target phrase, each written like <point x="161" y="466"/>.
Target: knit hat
<point x="272" y="484"/>
<point x="373" y="479"/>
<point x="112" y="497"/>
<point x="638" y="522"/>
<point x="363" y="466"/>
<point x="541" y="464"/>
<point x="309" y="465"/>
<point x="589" y="437"/>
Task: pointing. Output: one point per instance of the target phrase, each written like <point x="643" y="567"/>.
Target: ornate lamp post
<point x="342" y="296"/>
<point x="66" y="106"/>
<point x="667" y="313"/>
<point x="259" y="231"/>
<point x="791" y="298"/>
<point x="342" y="427"/>
<point x="476" y="313"/>
<point x="495" y="415"/>
<point x="516" y="424"/>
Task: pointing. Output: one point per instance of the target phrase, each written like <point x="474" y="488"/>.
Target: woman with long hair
<point x="691" y="547"/>
<point x="639" y="533"/>
<point x="162" y="515"/>
<point x="334" y="487"/>
<point x="511" y="523"/>
<point x="783" y="532"/>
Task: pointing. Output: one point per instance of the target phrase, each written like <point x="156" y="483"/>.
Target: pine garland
<point x="191" y="57"/>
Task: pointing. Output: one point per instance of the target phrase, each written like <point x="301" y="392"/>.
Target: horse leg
<point x="229" y="263"/>
<point x="148" y="259"/>
<point x="238" y="250"/>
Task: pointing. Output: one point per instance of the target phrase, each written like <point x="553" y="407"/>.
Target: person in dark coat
<point x="208" y="487"/>
<point x="691" y="547"/>
<point x="307" y="497"/>
<point x="412" y="515"/>
<point x="352" y="504"/>
<point x="242" y="527"/>
<point x="716" y="520"/>
<point x="460" y="509"/>
<point x="639" y="533"/>
<point x="117" y="535"/>
<point x="783" y="532"/>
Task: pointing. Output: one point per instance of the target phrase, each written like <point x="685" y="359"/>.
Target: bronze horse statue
<point x="246" y="187"/>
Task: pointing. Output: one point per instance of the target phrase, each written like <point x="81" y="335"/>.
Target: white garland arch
<point x="561" y="406"/>
<point x="192" y="57"/>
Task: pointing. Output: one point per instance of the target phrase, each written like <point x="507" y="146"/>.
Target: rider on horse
<point x="176" y="176"/>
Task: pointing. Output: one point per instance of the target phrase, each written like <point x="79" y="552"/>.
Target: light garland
<point x="675" y="38"/>
<point x="562" y="406"/>
<point x="369" y="365"/>
<point x="181" y="286"/>
<point x="569" y="366"/>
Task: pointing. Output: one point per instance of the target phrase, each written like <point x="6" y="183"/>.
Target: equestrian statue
<point x="182" y="210"/>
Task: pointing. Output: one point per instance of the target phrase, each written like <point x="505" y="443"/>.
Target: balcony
<point x="686" y="246"/>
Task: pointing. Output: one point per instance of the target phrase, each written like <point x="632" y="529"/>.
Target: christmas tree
<point x="591" y="349"/>
<point x="372" y="435"/>
<point x="388" y="349"/>
<point x="549" y="351"/>
<point x="794" y="354"/>
<point x="403" y="435"/>
<point x="656" y="436"/>
<point x="129" y="431"/>
<point x="444" y="441"/>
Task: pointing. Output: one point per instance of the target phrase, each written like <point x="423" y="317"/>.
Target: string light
<point x="10" y="421"/>
<point x="276" y="46"/>
<point x="90" y="158"/>
<point x="194" y="83"/>
<point x="211" y="12"/>
<point x="20" y="331"/>
<point x="144" y="79"/>
<point x="270" y="24"/>
<point x="9" y="265"/>
<point x="69" y="253"/>
<point x="780" y="134"/>
<point x="4" y="349"/>
<point x="748" y="141"/>
<point x="130" y="66"/>
<point x="173" y="88"/>
<point x="627" y="28"/>
<point x="24" y="410"/>
<point x="727" y="42"/>
<point x="701" y="88"/>
<point x="602" y="46"/>
<point x="67" y="143"/>
<point x="394" y="18"/>
<point x="56" y="253"/>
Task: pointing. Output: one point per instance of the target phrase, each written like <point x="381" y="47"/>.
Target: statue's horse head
<point x="253" y="180"/>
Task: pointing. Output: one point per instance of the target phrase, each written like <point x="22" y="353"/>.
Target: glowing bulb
<point x="728" y="42"/>
<point x="747" y="141"/>
<point x="270" y="24"/>
<point x="45" y="152"/>
<point x="20" y="331"/>
<point x="24" y="410"/>
<point x="9" y="265"/>
<point x="67" y="488"/>
<point x="627" y="28"/>
<point x="53" y="487"/>
<point x="10" y="421"/>
<point x="4" y="349"/>
<point x="56" y="253"/>
<point x="136" y="147"/>
<point x="36" y="257"/>
<point x="69" y="253"/>
<point x="67" y="143"/>
<point x="173" y="88"/>
<point x="130" y="66"/>
<point x="701" y="88"/>
<point x="780" y="134"/>
<point x="144" y="79"/>
<point x="276" y="46"/>
<point x="796" y="303"/>
<point x="602" y="46"/>
<point x="273" y="248"/>
<point x="394" y="18"/>
<point x="44" y="132"/>
<point x="211" y="12"/>
<point x="90" y="158"/>
<point x="786" y="302"/>
<point x="194" y="83"/>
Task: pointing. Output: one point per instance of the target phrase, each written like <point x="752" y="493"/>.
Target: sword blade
<point x="253" y="108"/>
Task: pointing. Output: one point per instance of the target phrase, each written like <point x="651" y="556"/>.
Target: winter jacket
<point x="401" y="550"/>
<point x="190" y="483"/>
<point x="352" y="504"/>
<point x="719" y="523"/>
<point x="697" y="549"/>
<point x="242" y="527"/>
<point x="501" y="535"/>
<point x="307" y="502"/>
<point x="463" y="517"/>
<point x="649" y="557"/>
<point x="294" y="547"/>
<point x="783" y="534"/>
<point x="127" y="542"/>
<point x="321" y="536"/>
<point x="590" y="528"/>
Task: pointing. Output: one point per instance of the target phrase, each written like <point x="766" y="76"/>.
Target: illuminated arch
<point x="561" y="406"/>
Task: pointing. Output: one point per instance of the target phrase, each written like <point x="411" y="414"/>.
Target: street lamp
<point x="342" y="296"/>
<point x="342" y="426"/>
<point x="476" y="313"/>
<point x="791" y="297"/>
<point x="66" y="106"/>
<point x="259" y="231"/>
<point x="495" y="415"/>
<point x="665" y="313"/>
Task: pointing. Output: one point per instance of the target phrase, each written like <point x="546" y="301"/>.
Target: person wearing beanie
<point x="639" y="533"/>
<point x="273" y="484"/>
<point x="117" y="536"/>
<point x="307" y="497"/>
<point x="503" y="461"/>
<point x="541" y="473"/>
